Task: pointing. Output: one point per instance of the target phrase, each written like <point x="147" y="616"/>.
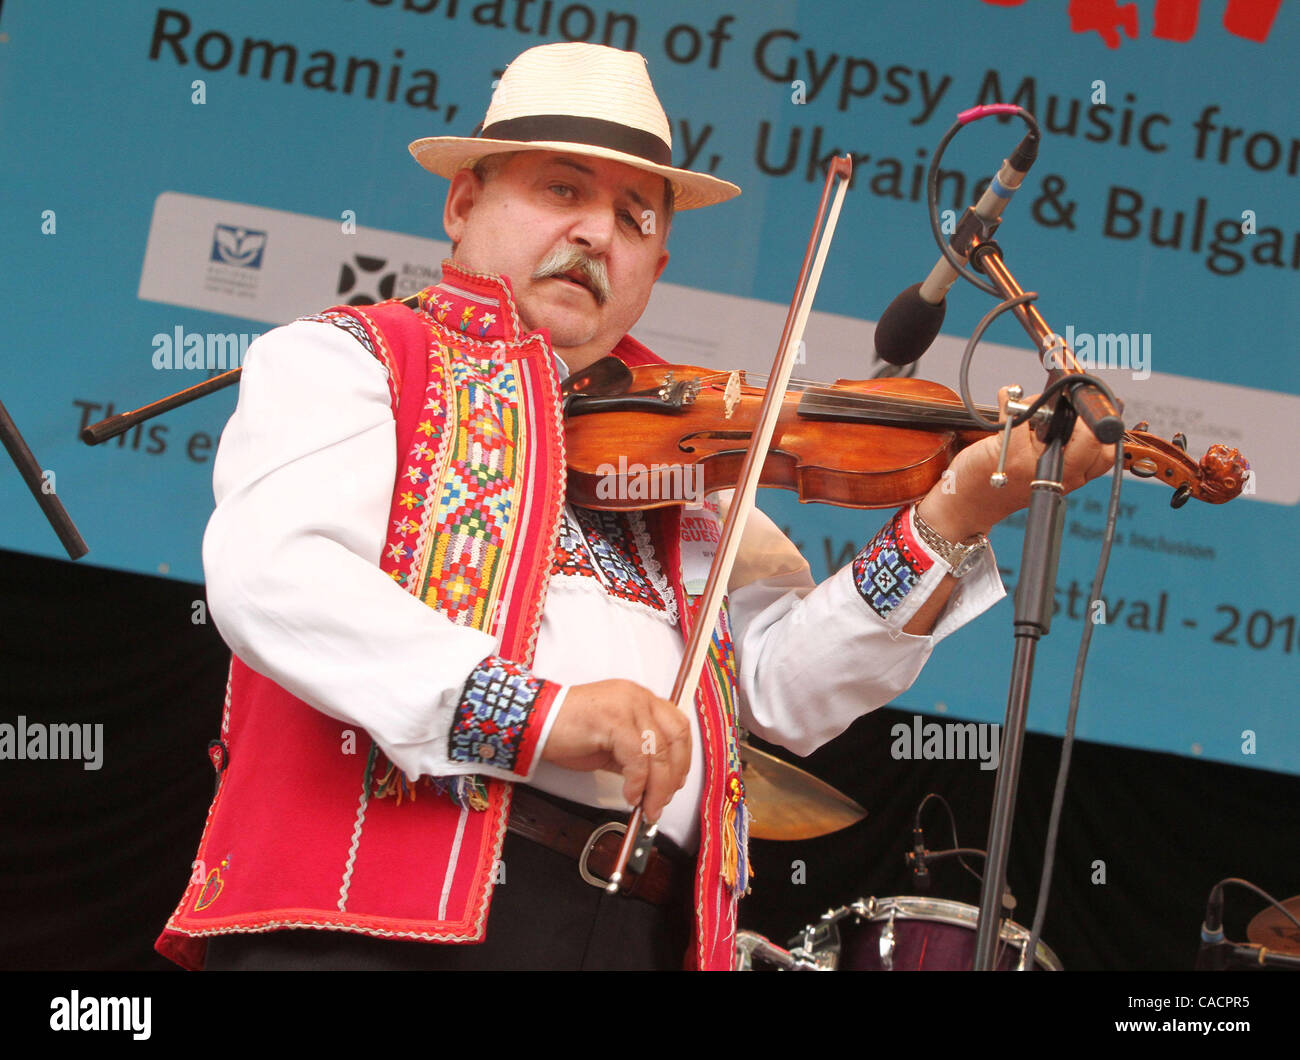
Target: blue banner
<point x="182" y="177"/>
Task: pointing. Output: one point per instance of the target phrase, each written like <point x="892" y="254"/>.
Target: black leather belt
<point x="594" y="846"/>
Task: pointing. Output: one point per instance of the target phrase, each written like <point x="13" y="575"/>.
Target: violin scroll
<point x="1218" y="478"/>
<point x="1224" y="472"/>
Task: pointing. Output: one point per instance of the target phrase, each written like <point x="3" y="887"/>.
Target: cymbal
<point x="1270" y="928"/>
<point x="788" y="803"/>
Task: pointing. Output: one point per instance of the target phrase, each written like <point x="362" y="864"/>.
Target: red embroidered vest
<point x="296" y="836"/>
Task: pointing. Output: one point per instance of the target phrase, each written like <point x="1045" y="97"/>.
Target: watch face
<point x="969" y="559"/>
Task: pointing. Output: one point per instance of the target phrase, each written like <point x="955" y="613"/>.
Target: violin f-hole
<point x="728" y="436"/>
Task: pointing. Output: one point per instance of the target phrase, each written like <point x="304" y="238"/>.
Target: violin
<point x="683" y="432"/>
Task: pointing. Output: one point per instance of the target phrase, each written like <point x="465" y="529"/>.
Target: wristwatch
<point x="961" y="556"/>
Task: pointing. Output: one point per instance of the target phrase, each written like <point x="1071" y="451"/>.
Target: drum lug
<point x="887" y="943"/>
<point x="819" y="945"/>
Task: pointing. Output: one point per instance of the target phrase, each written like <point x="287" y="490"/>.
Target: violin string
<point x="883" y="405"/>
<point x="799" y="384"/>
<point x="847" y="398"/>
<point x="877" y="404"/>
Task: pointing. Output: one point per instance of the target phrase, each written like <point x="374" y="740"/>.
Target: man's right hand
<point x="624" y="728"/>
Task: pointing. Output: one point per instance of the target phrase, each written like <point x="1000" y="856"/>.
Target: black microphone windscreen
<point x="907" y="327"/>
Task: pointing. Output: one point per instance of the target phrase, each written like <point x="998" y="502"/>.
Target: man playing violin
<point x="446" y="679"/>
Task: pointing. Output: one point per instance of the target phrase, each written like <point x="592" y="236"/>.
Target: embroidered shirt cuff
<point x="896" y="572"/>
<point x="501" y="717"/>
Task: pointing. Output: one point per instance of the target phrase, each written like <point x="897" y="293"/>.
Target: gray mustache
<point x="567" y="259"/>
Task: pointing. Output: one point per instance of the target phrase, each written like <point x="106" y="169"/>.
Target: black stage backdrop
<point x="93" y="861"/>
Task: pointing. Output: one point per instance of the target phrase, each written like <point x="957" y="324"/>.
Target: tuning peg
<point x="1143" y="426"/>
<point x="1180" y="440"/>
<point x="1181" y="496"/>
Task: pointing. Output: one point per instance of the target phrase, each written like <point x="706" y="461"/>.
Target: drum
<point x="910" y="935"/>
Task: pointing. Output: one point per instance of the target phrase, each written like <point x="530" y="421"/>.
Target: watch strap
<point x="959" y="555"/>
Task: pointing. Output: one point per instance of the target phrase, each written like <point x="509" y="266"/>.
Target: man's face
<point x="540" y="202"/>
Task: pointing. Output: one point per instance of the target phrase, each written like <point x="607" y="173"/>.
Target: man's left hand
<point x="968" y="504"/>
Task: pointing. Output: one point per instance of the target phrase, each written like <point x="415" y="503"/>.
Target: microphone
<point x="911" y="321"/>
<point x="920" y="871"/>
<point x="1212" y="956"/>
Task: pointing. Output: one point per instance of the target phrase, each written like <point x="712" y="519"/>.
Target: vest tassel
<point x="736" y="870"/>
<point x="465" y="791"/>
<point x="394" y="783"/>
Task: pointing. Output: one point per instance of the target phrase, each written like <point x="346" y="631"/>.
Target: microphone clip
<point x="972" y="229"/>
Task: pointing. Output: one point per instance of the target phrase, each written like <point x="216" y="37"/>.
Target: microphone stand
<point x="1038" y="564"/>
<point x="51" y="507"/>
<point x="124" y="421"/>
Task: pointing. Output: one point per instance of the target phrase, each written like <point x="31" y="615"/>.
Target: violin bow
<point x="706" y="616"/>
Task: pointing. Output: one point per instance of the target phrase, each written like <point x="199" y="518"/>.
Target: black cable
<point x="932" y="195"/>
<point x="968" y="354"/>
<point x="952" y="822"/>
<point x="1263" y="894"/>
<point x="1067" y="744"/>
<point x="1071" y="381"/>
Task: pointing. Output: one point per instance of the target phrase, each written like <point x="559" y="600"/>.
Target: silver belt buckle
<point x="583" y="871"/>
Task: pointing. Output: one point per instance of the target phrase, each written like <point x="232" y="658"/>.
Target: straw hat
<point x="582" y="99"/>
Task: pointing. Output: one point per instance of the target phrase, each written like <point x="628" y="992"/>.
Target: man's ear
<point x="663" y="264"/>
<point x="461" y="196"/>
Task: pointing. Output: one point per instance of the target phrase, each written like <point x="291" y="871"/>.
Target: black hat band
<point x="595" y="132"/>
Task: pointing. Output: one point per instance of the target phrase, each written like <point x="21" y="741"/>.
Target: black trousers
<point x="542" y="917"/>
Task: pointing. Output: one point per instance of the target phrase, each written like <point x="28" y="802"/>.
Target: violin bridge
<point x="731" y="394"/>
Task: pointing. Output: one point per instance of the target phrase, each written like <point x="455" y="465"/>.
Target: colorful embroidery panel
<point x="478" y="317"/>
<point x="890" y="565"/>
<point x="468" y="515"/>
<point x="571" y="555"/>
<point x="348" y="323"/>
<point x="721" y="661"/>
<point x="474" y="507"/>
<point x="613" y="548"/>
<point x="492" y="719"/>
